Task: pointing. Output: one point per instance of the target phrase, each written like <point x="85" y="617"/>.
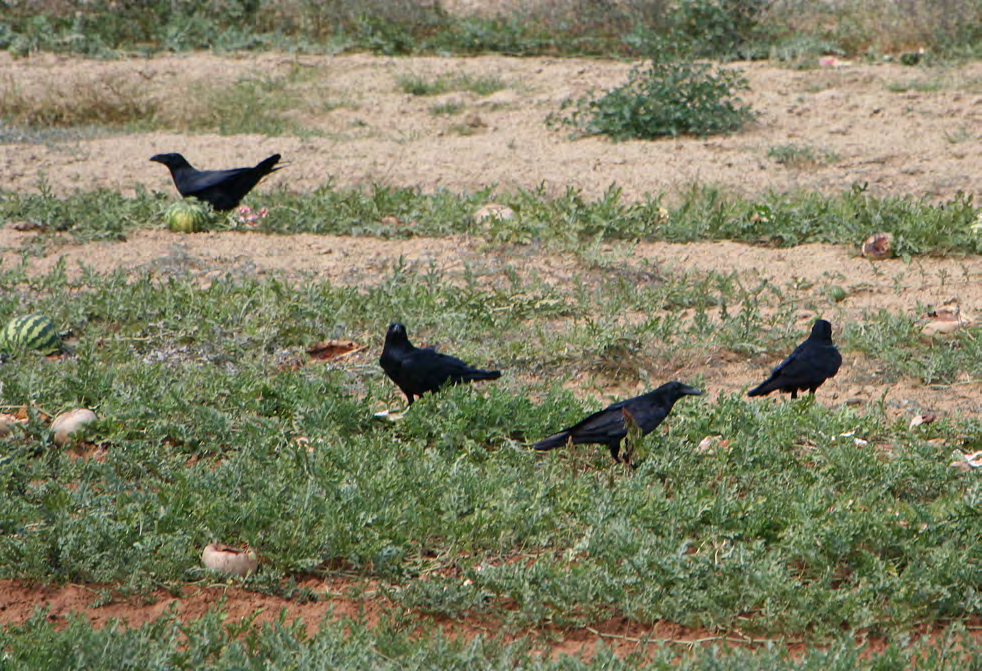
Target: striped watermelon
<point x="187" y="216"/>
<point x="35" y="332"/>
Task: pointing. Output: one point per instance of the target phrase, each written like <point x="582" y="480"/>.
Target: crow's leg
<point x="628" y="457"/>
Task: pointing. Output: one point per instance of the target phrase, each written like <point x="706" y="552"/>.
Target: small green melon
<point x="187" y="216"/>
<point x="837" y="293"/>
<point x="35" y="332"/>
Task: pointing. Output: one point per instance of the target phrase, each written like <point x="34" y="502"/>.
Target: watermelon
<point x="35" y="332"/>
<point x="187" y="216"/>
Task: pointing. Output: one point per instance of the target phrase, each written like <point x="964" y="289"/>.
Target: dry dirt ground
<point x="901" y="130"/>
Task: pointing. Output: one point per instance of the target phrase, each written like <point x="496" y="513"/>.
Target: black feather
<point x="808" y="367"/>
<point x="610" y="426"/>
<point x="224" y="189"/>
<point x="417" y="371"/>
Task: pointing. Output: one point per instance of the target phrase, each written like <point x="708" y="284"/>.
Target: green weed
<point x="447" y="109"/>
<point x="959" y="135"/>
<point x="250" y="106"/>
<point x="212" y="640"/>
<point x="789" y="219"/>
<point x="567" y="221"/>
<point x="666" y="98"/>
<point x="420" y="86"/>
<point x="212" y="428"/>
<point x="723" y="30"/>
<point x="930" y="84"/>
<point x="897" y="341"/>
<point x="801" y="157"/>
<point x="720" y="29"/>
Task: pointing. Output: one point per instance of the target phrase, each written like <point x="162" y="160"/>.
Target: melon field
<point x="234" y="371"/>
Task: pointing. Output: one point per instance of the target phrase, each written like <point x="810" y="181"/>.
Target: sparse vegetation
<point x="959" y="135"/>
<point x="450" y="108"/>
<point x="801" y="156"/>
<point x="918" y="226"/>
<point x="213" y="641"/>
<point x="928" y="84"/>
<point x="103" y="101"/>
<point x="421" y="86"/>
<point x="251" y="104"/>
<point x="722" y="29"/>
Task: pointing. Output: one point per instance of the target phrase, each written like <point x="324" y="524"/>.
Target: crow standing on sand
<point x="417" y="371"/>
<point x="224" y="189"/>
<point x="810" y="364"/>
<point x="610" y="425"/>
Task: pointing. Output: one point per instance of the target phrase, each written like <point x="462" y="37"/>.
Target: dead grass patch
<point x="106" y="99"/>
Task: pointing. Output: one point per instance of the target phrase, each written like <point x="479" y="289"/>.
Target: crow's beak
<point x="690" y="391"/>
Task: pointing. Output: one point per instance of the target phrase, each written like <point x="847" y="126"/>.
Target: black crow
<point x="417" y="371"/>
<point x="811" y="363"/>
<point x="610" y="425"/>
<point x="224" y="189"/>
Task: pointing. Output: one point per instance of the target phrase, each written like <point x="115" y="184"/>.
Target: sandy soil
<point x="902" y="130"/>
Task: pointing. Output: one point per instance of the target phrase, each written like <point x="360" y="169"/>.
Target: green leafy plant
<point x="448" y="108"/>
<point x="421" y="86"/>
<point x="801" y="156"/>
<point x="723" y="29"/>
<point x="719" y="29"/>
<point x="250" y="105"/>
<point x="804" y="516"/>
<point x="567" y="220"/>
<point x="666" y="98"/>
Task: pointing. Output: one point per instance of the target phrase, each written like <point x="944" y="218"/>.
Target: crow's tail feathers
<point x="551" y="442"/>
<point x="477" y="374"/>
<point x="763" y="389"/>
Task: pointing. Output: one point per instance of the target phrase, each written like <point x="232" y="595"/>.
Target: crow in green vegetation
<point x="419" y="370"/>
<point x="610" y="425"/>
<point x="224" y="189"/>
<point x="810" y="364"/>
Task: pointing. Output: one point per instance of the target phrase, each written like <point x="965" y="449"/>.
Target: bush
<point x="674" y="97"/>
<point x="722" y="29"/>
